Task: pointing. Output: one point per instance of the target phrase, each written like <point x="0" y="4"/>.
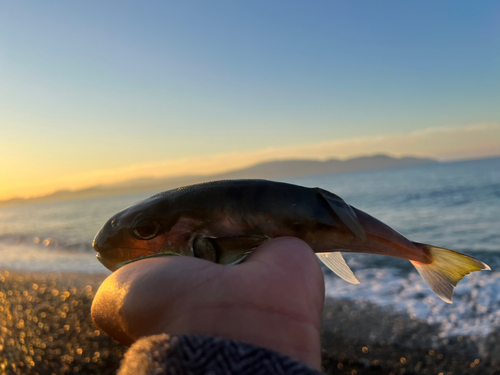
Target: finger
<point x="289" y="253"/>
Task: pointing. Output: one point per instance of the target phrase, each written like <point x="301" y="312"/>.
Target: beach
<point x="46" y="328"/>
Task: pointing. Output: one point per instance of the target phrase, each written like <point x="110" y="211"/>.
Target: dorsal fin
<point x="344" y="212"/>
<point x="337" y="264"/>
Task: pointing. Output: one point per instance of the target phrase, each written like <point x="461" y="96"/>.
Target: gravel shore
<point x="45" y="328"/>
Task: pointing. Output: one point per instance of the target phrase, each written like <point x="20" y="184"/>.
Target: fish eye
<point x="146" y="229"/>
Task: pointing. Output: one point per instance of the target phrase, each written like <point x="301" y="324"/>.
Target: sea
<point x="455" y="205"/>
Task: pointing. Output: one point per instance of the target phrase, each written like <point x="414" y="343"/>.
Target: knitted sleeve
<point x="193" y="355"/>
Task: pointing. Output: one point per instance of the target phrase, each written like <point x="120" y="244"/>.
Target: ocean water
<point x="453" y="205"/>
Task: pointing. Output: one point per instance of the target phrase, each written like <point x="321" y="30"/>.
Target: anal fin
<point x="335" y="262"/>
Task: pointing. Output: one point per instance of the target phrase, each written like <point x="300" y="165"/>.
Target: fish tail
<point x="446" y="269"/>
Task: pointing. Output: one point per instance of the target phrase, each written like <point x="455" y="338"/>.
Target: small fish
<point x="224" y="221"/>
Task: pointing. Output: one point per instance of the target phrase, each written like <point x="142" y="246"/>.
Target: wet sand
<point x="45" y="328"/>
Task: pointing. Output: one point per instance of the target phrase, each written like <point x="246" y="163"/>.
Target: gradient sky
<point x="98" y="92"/>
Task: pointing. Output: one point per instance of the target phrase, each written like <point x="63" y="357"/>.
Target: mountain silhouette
<point x="268" y="170"/>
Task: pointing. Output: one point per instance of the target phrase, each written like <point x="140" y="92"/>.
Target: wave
<point x="45" y="242"/>
<point x="476" y="299"/>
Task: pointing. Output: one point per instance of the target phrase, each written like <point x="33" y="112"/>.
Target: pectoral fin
<point x="344" y="212"/>
<point x="206" y="248"/>
<point x="233" y="250"/>
<point x="335" y="262"/>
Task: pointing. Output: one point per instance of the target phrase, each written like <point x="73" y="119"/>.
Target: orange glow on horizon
<point x="442" y="143"/>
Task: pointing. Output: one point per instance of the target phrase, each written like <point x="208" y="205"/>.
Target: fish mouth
<point x="100" y="259"/>
<point x="110" y="264"/>
<point x="156" y="255"/>
<point x="114" y="264"/>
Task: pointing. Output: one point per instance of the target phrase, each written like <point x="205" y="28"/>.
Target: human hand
<point x="274" y="299"/>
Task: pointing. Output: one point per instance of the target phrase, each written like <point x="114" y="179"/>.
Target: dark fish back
<point x="289" y="202"/>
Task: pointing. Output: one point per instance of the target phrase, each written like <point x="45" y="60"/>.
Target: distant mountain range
<point x="268" y="170"/>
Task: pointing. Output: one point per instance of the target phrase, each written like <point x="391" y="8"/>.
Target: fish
<point x="224" y="221"/>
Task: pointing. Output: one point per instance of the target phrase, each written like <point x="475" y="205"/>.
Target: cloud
<point x="445" y="143"/>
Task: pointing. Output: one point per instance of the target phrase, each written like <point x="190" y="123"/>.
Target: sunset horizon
<point x="89" y="97"/>
<point x="461" y="145"/>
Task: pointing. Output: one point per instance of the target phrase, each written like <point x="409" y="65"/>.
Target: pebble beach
<point x="46" y="328"/>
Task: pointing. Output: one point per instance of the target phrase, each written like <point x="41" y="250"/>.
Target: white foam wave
<point x="475" y="310"/>
<point x="43" y="259"/>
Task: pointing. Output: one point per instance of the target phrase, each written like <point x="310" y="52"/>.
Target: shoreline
<point x="45" y="328"/>
<point x="28" y="257"/>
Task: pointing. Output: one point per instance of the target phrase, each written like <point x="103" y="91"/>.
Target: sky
<point x="100" y="92"/>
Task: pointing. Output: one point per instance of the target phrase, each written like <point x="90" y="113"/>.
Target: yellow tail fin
<point x="447" y="268"/>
